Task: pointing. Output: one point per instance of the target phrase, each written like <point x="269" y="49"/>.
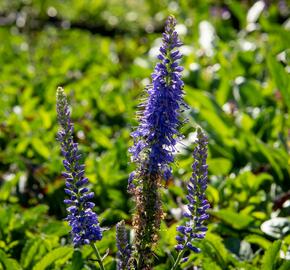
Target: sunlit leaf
<point x="236" y="220"/>
<point x="8" y="263"/>
<point x="271" y="255"/>
<point x="52" y="257"/>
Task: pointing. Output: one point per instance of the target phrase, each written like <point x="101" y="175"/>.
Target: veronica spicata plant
<point x="81" y="217"/>
<point x="194" y="229"/>
<point x="153" y="152"/>
<point x="154" y="143"/>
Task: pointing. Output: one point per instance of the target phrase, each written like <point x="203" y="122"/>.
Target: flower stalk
<point x="154" y="144"/>
<point x="194" y="229"/>
<point x="81" y="217"/>
<point x="99" y="258"/>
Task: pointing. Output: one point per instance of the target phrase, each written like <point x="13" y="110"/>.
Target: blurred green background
<point x="236" y="59"/>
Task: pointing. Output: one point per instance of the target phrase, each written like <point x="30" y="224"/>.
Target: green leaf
<point x="269" y="155"/>
<point x="258" y="240"/>
<point x="236" y="220"/>
<point x="8" y="186"/>
<point x="56" y="228"/>
<point x="280" y="77"/>
<point x="285" y="265"/>
<point x="8" y="263"/>
<point x="214" y="248"/>
<point x="220" y="250"/>
<point x="102" y="139"/>
<point x="52" y="257"/>
<point x="210" y="265"/>
<point x="219" y="166"/>
<point x="238" y="10"/>
<point x="32" y="215"/>
<point x="77" y="261"/>
<point x="271" y="255"/>
<point x="167" y="238"/>
<point x="40" y="147"/>
<point x="213" y="194"/>
<point x="259" y="180"/>
<point x="29" y="251"/>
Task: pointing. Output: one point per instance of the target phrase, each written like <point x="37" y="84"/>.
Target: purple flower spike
<point x="124" y="250"/>
<point x="154" y="144"/>
<point x="195" y="229"/>
<point x="81" y="217"/>
<point x="157" y="134"/>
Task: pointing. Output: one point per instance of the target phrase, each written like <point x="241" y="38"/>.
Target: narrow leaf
<point x="271" y="255"/>
<point x="53" y="256"/>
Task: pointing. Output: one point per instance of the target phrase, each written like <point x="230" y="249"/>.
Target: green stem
<point x="99" y="258"/>
<point x="179" y="257"/>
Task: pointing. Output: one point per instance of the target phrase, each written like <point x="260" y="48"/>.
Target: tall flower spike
<point x="124" y="250"/>
<point x="154" y="143"/>
<point x="194" y="229"/>
<point x="157" y="134"/>
<point x="82" y="219"/>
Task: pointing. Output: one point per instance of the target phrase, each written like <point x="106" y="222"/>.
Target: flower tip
<point x="59" y="91"/>
<point x="170" y="24"/>
<point x="120" y="224"/>
<point x="171" y="20"/>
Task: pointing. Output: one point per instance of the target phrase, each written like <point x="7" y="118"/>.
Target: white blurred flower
<point x="207" y="36"/>
<point x="247" y="45"/>
<point x="176" y="213"/>
<point x="181" y="29"/>
<point x="17" y="110"/>
<point x="154" y="51"/>
<point x="185" y="50"/>
<point x="255" y="12"/>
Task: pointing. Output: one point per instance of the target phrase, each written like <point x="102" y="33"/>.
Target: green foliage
<point x="102" y="52"/>
<point x="236" y="220"/>
<point x="7" y="262"/>
<point x="269" y="259"/>
<point x="53" y="257"/>
<point x="281" y="79"/>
